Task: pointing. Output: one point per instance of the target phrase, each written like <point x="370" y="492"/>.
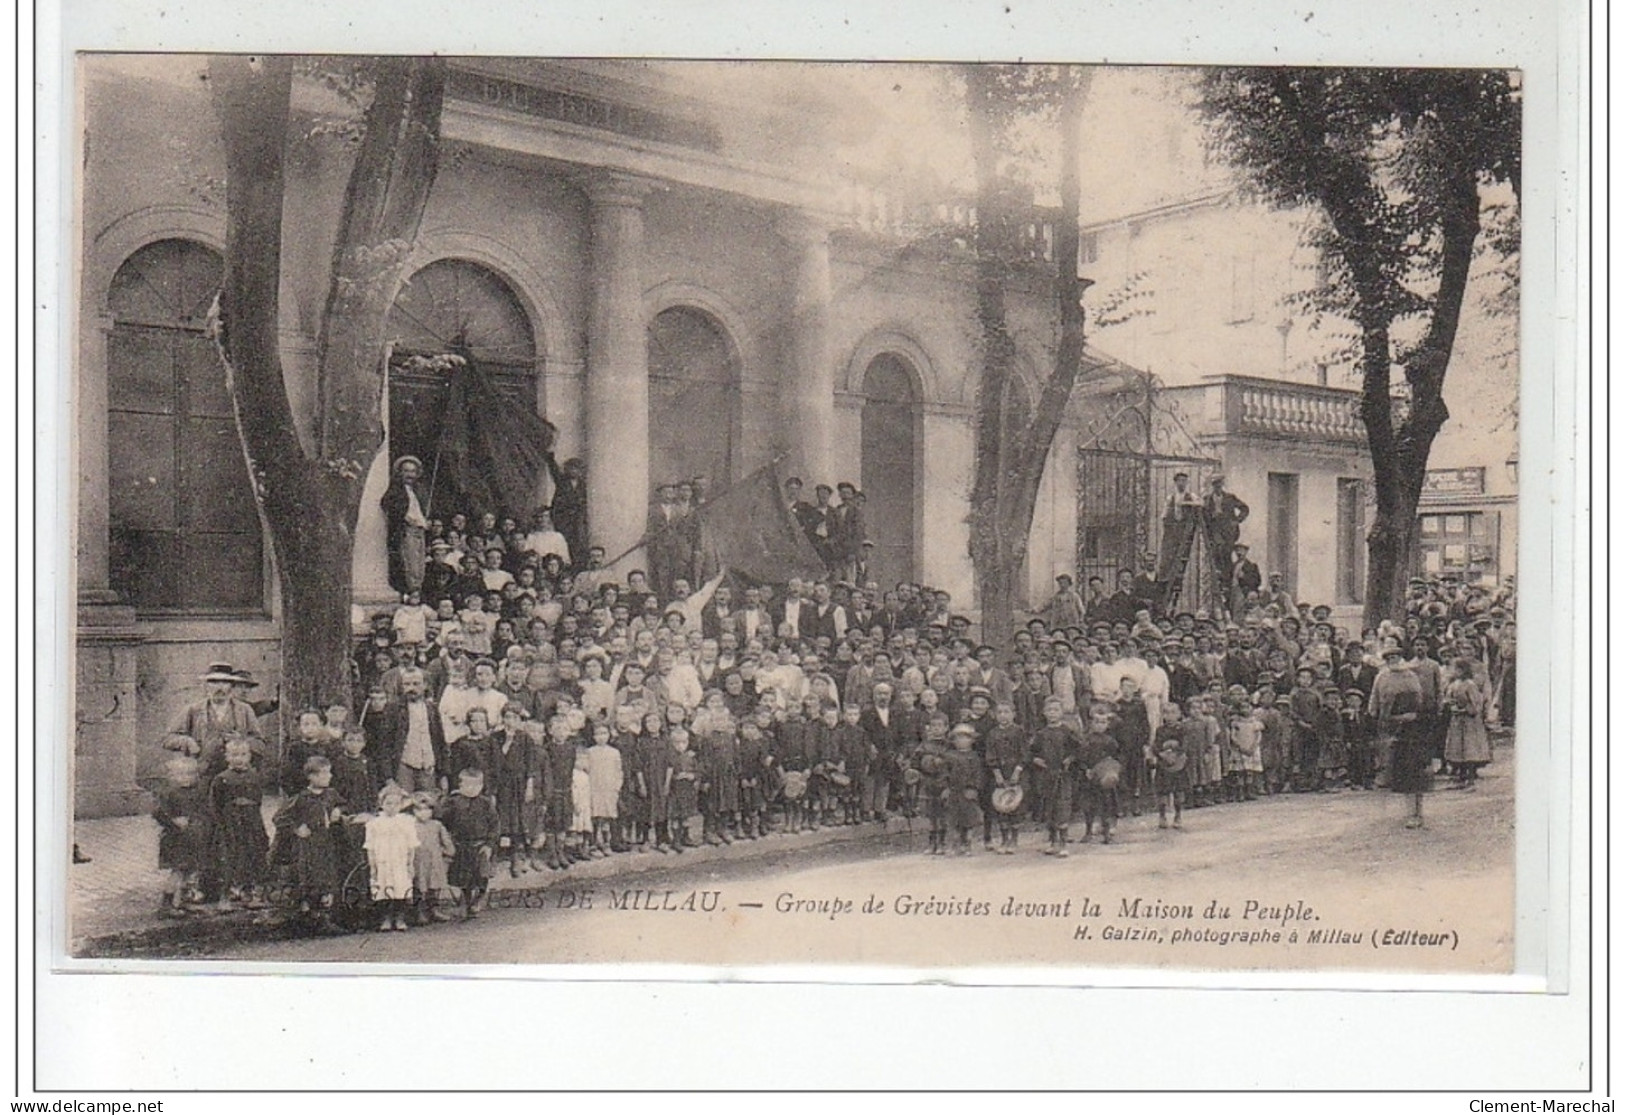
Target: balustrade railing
<point x="1281" y="409"/>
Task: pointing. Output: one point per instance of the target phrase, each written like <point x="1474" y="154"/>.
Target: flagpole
<point x="651" y="534"/>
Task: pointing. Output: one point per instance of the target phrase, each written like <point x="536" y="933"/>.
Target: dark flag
<point x="492" y="449"/>
<point x="749" y="530"/>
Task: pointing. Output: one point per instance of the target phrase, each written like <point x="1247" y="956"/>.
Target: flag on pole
<point x="749" y="530"/>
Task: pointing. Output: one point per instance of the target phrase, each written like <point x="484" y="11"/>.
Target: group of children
<point x="406" y="852"/>
<point x="608" y="721"/>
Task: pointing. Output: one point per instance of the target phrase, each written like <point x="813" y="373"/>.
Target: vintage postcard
<point x="934" y="516"/>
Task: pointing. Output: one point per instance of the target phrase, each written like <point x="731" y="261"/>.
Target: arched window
<point x="185" y="535"/>
<point x="454" y="305"/>
<point x="890" y="448"/>
<point x="693" y="398"/>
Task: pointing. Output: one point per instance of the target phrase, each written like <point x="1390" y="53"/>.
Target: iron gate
<point x="1127" y="461"/>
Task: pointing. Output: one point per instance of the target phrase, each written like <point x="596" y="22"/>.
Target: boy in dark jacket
<point x="1006" y="758"/>
<point x="1132" y="726"/>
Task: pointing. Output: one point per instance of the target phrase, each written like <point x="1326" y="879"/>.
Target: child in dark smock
<point x="239" y="844"/>
<point x="1131" y="724"/>
<point x="1275" y="753"/>
<point x="964" y="774"/>
<point x="356" y="785"/>
<point x="1055" y="758"/>
<point x="753" y="774"/>
<point x="823" y="756"/>
<point x="1333" y="747"/>
<point x="471" y="819"/>
<point x="558" y="762"/>
<point x="719" y="762"/>
<point x="791" y="749"/>
<point x="311" y="739"/>
<point x="183" y="815"/>
<point x="1304" y="709"/>
<point x="654" y="780"/>
<point x="355" y="778"/>
<point x="632" y="810"/>
<point x="1362" y="764"/>
<point x="684" y="793"/>
<point x="1098" y="755"/>
<point x="852" y="751"/>
<point x="309" y="826"/>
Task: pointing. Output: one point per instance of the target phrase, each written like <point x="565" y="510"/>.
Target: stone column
<point x="617" y="387"/>
<point x="106" y="638"/>
<point x="809" y="387"/>
<point x="91" y="411"/>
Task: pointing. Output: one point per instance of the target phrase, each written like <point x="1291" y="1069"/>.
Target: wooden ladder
<point x="1176" y="582"/>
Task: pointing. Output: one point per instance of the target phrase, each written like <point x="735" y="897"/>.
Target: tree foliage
<point x="1395" y="166"/>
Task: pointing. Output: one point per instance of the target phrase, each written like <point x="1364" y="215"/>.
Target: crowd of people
<point x="552" y="713"/>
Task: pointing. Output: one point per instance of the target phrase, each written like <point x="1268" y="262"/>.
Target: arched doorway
<point x="184" y="532"/>
<point x="454" y="305"/>
<point x="890" y="480"/>
<point x="693" y="398"/>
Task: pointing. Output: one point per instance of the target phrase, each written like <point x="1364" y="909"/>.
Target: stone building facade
<point x="619" y="259"/>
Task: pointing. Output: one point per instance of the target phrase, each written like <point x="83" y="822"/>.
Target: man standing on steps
<point x="1245" y="580"/>
<point x="1222" y="514"/>
<point x="408" y="527"/>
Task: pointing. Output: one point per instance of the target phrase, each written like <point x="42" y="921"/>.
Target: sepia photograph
<point x="611" y="511"/>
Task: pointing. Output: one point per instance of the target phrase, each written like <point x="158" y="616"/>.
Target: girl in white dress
<point x="391" y="843"/>
<point x="605" y="775"/>
<point x="581" y="805"/>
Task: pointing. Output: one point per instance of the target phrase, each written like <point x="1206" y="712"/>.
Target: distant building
<point x="1211" y="290"/>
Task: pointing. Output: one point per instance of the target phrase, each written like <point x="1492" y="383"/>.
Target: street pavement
<point x="1308" y="881"/>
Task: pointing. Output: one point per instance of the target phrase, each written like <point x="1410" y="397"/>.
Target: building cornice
<point x="576" y="146"/>
<point x="1159" y="212"/>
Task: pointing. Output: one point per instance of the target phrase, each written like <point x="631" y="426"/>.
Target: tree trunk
<point x="317" y="648"/>
<point x="997" y="584"/>
<point x="1390" y="557"/>
<point x="1399" y="457"/>
<point x="309" y="497"/>
<point x="1010" y="459"/>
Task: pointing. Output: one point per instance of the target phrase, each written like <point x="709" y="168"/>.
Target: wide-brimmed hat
<point x="795" y="784"/>
<point x="221" y="671"/>
<point x="1006" y="799"/>
<point x="1106" y="773"/>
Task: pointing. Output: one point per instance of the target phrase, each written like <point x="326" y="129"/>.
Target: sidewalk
<point x="113" y="900"/>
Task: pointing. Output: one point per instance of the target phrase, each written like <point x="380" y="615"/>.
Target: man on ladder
<point x="1223" y="514"/>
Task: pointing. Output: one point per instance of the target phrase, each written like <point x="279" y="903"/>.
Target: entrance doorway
<point x="452" y="305"/>
<point x="693" y="399"/>
<point x="890" y="476"/>
<point x="1283" y="528"/>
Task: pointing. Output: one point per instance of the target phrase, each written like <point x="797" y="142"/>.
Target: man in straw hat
<point x="408" y="527"/>
<point x="201" y="729"/>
